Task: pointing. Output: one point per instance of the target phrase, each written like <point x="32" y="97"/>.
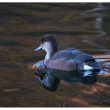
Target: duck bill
<point x="38" y="48"/>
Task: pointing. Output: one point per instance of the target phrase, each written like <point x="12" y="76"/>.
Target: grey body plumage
<point x="71" y="64"/>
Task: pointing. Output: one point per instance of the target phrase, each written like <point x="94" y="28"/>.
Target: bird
<point x="70" y="64"/>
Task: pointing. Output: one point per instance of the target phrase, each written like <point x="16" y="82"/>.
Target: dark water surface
<point x="80" y="25"/>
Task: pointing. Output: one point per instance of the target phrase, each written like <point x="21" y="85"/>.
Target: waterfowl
<point x="70" y="64"/>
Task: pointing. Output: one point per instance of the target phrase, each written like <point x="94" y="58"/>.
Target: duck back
<point x="68" y="59"/>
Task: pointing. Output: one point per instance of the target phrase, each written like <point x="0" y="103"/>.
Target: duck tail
<point x="105" y="71"/>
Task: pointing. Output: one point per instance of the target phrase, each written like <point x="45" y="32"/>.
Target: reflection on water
<point x="100" y="19"/>
<point x="103" y="61"/>
<point x="99" y="12"/>
<point x="77" y="25"/>
<point x="51" y="77"/>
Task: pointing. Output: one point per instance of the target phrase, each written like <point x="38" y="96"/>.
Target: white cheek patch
<point x="47" y="46"/>
<point x="86" y="67"/>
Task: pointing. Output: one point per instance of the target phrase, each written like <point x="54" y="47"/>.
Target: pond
<point x="79" y="25"/>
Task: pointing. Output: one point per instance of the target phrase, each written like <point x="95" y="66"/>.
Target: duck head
<point x="48" y="44"/>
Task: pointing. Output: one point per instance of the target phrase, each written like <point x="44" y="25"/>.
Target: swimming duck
<point x="71" y="64"/>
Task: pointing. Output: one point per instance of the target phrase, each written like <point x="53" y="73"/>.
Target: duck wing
<point x="68" y="59"/>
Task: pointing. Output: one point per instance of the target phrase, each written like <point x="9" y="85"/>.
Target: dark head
<point x="48" y="43"/>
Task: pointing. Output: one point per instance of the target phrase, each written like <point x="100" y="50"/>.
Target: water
<point x="80" y="25"/>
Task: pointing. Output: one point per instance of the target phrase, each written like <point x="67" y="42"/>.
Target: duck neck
<point x="49" y="56"/>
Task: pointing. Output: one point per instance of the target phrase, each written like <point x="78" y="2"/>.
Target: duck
<point x="70" y="64"/>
